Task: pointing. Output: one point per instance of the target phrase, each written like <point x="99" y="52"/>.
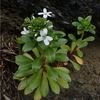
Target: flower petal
<point x="45" y="10"/>
<point x="45" y="31"/>
<point x="46" y="42"/>
<point x="24" y="28"/>
<point x="39" y="38"/>
<point x="49" y="38"/>
<point x="23" y="32"/>
<point x="41" y="13"/>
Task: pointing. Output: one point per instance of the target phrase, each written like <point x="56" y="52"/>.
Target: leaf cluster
<point x="37" y="71"/>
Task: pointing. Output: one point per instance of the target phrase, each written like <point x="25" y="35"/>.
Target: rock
<point x="65" y="12"/>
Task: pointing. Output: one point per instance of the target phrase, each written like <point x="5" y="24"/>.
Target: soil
<point x="85" y="83"/>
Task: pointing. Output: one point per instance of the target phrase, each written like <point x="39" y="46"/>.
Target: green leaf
<point x="27" y="90"/>
<point x="25" y="38"/>
<point x="88" y="18"/>
<point x="63" y="75"/>
<point x="73" y="45"/>
<point x="66" y="47"/>
<point x="65" y="70"/>
<point x="80" y="19"/>
<point x="79" y="32"/>
<point x="72" y="37"/>
<point x="28" y="56"/>
<point x="59" y="34"/>
<point x="44" y="85"/>
<point x="36" y="52"/>
<point x="22" y="84"/>
<point x="25" y="66"/>
<point x="51" y="73"/>
<point x="28" y="46"/>
<point x="80" y="53"/>
<point x="61" y="57"/>
<point x="36" y="80"/>
<point x="19" y="40"/>
<point x="54" y="86"/>
<point x="62" y="50"/>
<point x="21" y="59"/>
<point x="63" y="83"/>
<point x="23" y="73"/>
<point x="36" y="65"/>
<point x="50" y="54"/>
<point x="75" y="23"/>
<point x="60" y="42"/>
<point x="81" y="43"/>
<point x="92" y="31"/>
<point x="26" y="22"/>
<point x="80" y="27"/>
<point x="84" y="44"/>
<point x="76" y="66"/>
<point x="90" y="38"/>
<point x="37" y="95"/>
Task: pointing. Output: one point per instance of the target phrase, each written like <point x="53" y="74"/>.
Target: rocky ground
<point x="85" y="83"/>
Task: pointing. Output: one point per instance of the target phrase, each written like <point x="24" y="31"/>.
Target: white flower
<point x="45" y="13"/>
<point x="25" y="31"/>
<point x="43" y="37"/>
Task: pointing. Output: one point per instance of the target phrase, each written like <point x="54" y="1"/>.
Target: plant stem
<point x="82" y="35"/>
<point x="73" y="51"/>
<point x="43" y="67"/>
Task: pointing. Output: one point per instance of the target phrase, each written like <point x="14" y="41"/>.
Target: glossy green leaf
<point x="25" y="38"/>
<point x="28" y="46"/>
<point x="28" y="56"/>
<point x="51" y="72"/>
<point x="54" y="86"/>
<point x="84" y="44"/>
<point x="80" y="19"/>
<point x="75" y="23"/>
<point x="25" y="66"/>
<point x="61" y="57"/>
<point x="79" y="32"/>
<point x="72" y="37"/>
<point x="79" y="53"/>
<point x="44" y="85"/>
<point x="36" y="52"/>
<point x="36" y="80"/>
<point x="66" y="47"/>
<point x="63" y="75"/>
<point x="26" y="22"/>
<point x="92" y="31"/>
<point x="23" y="73"/>
<point x="37" y="95"/>
<point x="36" y="65"/>
<point x="21" y="59"/>
<point x="59" y="34"/>
<point x="19" y="40"/>
<point x="28" y="90"/>
<point x="90" y="38"/>
<point x="50" y="54"/>
<point x="60" y="42"/>
<point x="62" y="83"/>
<point x="22" y="84"/>
<point x="65" y="70"/>
<point x="76" y="66"/>
<point x="73" y="45"/>
<point x="88" y="18"/>
<point x="62" y="50"/>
